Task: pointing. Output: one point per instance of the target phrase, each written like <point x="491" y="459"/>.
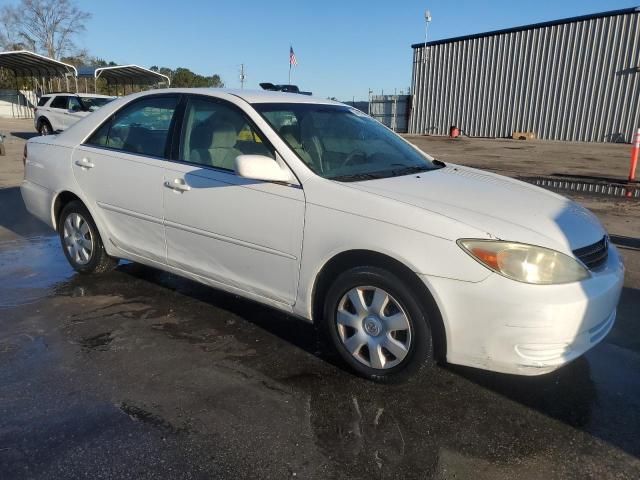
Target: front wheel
<point x="81" y="240"/>
<point x="377" y="324"/>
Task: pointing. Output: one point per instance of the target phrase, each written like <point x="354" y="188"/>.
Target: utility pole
<point x="427" y="21"/>
<point x="242" y="76"/>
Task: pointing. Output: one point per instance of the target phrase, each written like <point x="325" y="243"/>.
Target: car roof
<point x="79" y="94"/>
<point x="94" y="95"/>
<point x="251" y="96"/>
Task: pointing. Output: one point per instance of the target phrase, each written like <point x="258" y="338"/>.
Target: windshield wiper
<point x="354" y="177"/>
<point x="408" y="170"/>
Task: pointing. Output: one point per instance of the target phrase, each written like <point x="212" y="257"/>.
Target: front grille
<point x="594" y="255"/>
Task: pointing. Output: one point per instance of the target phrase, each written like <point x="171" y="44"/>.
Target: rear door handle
<point x="178" y="184"/>
<point x="84" y="163"/>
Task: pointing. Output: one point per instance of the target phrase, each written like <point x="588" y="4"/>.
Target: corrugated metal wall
<point x="572" y="81"/>
<point x="391" y="110"/>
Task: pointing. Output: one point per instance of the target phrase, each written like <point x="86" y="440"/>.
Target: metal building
<point x="573" y="79"/>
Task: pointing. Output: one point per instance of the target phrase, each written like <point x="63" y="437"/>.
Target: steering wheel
<point x="352" y="156"/>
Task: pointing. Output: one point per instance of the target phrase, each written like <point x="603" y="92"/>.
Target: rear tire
<point x="81" y="242"/>
<point x="378" y="324"/>
<point x="44" y="128"/>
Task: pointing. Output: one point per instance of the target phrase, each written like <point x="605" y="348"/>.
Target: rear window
<point x="59" y="102"/>
<point x="42" y="101"/>
<point x="140" y="127"/>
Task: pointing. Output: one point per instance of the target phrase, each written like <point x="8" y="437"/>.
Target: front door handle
<point x="84" y="163"/>
<point x="178" y="184"/>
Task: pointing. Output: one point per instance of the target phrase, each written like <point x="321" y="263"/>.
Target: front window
<point x="91" y="104"/>
<point x="74" y="104"/>
<point x="215" y="133"/>
<point x="342" y="143"/>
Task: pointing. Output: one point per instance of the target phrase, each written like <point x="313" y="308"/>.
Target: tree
<point x="44" y="26"/>
<point x="183" y="77"/>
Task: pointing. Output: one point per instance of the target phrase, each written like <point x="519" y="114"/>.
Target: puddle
<point x="97" y="342"/>
<point x="139" y="414"/>
<point x="184" y="331"/>
<point x="30" y="269"/>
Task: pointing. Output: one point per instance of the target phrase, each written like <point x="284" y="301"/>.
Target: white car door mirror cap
<point x="261" y="167"/>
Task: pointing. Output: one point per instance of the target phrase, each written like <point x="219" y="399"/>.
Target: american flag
<point x="292" y="57"/>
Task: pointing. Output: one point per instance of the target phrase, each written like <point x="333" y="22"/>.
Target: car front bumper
<point x="511" y="327"/>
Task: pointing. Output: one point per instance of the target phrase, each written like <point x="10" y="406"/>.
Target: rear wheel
<point x="45" y="128"/>
<point x="81" y="240"/>
<point x="377" y="324"/>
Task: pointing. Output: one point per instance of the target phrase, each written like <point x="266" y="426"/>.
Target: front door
<point x="75" y="111"/>
<point x="120" y="169"/>
<point x="237" y="232"/>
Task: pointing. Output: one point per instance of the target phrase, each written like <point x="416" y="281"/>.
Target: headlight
<point x="525" y="263"/>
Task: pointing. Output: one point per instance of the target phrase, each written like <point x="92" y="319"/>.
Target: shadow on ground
<point x="15" y="217"/>
<point x="25" y="135"/>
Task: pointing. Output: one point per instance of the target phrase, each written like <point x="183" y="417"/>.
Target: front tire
<point x="377" y="324"/>
<point x="81" y="240"/>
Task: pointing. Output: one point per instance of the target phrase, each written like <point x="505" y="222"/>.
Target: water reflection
<point x="30" y="268"/>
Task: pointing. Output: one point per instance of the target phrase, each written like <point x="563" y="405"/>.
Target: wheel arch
<point x="346" y="260"/>
<point x="43" y="118"/>
<point x="59" y="202"/>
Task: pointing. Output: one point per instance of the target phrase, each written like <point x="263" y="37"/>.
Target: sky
<point x="343" y="48"/>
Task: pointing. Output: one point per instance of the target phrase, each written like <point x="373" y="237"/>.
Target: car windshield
<point x="93" y="103"/>
<point x="342" y="143"/>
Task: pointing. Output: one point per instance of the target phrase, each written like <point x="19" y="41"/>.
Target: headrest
<point x="290" y="135"/>
<point x="224" y="136"/>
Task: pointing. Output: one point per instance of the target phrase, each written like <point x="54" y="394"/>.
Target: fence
<point x="391" y="110"/>
<point x="15" y="104"/>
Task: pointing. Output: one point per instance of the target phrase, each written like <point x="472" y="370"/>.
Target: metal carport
<point x="42" y="69"/>
<point x="123" y="75"/>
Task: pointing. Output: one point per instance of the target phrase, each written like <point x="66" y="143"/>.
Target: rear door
<point x="58" y="112"/>
<point x="120" y="169"/>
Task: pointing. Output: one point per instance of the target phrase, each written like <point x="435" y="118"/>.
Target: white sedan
<point x="311" y="207"/>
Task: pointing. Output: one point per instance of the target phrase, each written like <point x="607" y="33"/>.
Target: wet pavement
<point x="141" y="374"/>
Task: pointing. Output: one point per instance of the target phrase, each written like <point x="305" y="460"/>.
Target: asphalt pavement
<point x="141" y="374"/>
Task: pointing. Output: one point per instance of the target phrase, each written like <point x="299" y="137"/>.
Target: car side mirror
<point x="260" y="167"/>
<point x="75" y="108"/>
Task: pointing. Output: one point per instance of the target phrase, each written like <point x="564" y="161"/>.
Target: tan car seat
<point x="223" y="141"/>
<point x="288" y="133"/>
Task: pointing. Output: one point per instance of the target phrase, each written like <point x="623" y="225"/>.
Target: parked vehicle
<point x="57" y="111"/>
<point x="314" y="208"/>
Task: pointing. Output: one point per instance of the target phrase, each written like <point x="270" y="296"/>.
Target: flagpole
<point x="289" y="71"/>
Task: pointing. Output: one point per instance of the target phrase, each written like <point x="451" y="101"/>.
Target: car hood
<point x="499" y="206"/>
